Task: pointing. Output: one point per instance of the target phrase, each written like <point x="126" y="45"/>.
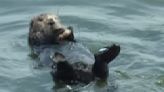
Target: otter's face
<point x="46" y="23"/>
<point x="47" y="29"/>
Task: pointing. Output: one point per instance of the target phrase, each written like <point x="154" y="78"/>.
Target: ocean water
<point x="137" y="25"/>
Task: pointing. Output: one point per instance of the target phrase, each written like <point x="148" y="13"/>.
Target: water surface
<point x="137" y="25"/>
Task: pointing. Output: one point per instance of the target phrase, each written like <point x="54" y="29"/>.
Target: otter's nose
<point x="51" y="22"/>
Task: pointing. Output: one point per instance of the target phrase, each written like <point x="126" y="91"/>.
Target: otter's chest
<point x="78" y="55"/>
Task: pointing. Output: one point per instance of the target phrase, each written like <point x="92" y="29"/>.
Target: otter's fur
<point x="47" y="29"/>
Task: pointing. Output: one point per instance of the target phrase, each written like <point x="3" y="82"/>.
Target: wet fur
<point x="81" y="73"/>
<point x="46" y="29"/>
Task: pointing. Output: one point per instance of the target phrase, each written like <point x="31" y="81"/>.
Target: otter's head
<point x="47" y="29"/>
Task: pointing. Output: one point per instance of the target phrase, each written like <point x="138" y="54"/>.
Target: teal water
<point x="137" y="25"/>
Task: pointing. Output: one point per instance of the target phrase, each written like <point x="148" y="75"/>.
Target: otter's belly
<point x="74" y="52"/>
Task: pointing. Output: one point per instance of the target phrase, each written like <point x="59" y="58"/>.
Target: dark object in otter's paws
<point x="71" y="36"/>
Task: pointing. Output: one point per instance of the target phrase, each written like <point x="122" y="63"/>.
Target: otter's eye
<point x="40" y="19"/>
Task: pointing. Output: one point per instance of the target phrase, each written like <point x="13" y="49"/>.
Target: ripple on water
<point x="137" y="25"/>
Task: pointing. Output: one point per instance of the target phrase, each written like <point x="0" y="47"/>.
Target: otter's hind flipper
<point x="64" y="71"/>
<point x="107" y="54"/>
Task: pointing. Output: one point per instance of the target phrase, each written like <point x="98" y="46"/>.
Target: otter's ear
<point x="107" y="54"/>
<point x="71" y="36"/>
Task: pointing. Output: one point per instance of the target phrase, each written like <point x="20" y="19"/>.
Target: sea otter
<point x="47" y="29"/>
<point x="70" y="61"/>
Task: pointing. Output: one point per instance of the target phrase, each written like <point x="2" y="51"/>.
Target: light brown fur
<point x="47" y="29"/>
